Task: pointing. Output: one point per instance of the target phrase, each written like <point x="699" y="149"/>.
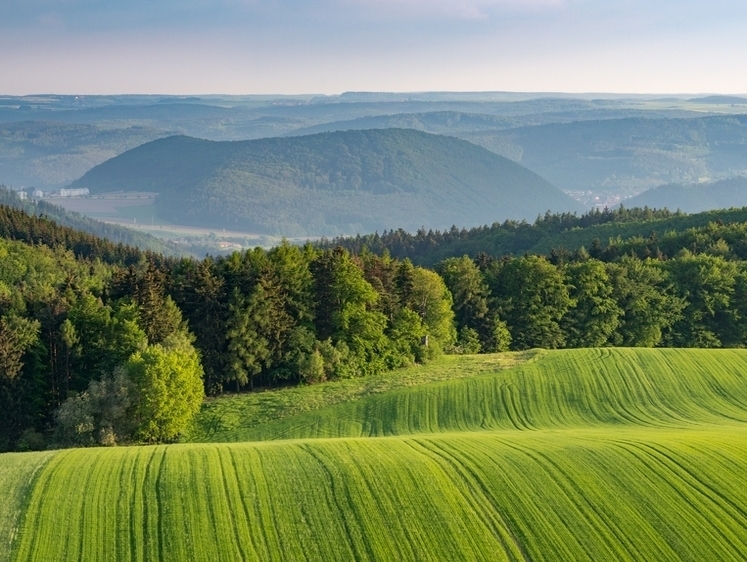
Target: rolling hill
<point x="329" y="183"/>
<point x="47" y="154"/>
<point x="696" y="197"/>
<point x="625" y="156"/>
<point x="613" y="454"/>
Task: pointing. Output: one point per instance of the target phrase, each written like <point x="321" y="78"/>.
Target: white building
<point x="73" y="192"/>
<point x="37" y="194"/>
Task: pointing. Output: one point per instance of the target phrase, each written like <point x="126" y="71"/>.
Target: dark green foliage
<point x="329" y="183"/>
<point x="471" y="299"/>
<point x="200" y="292"/>
<point x="49" y="224"/>
<point x="645" y="294"/>
<point x="146" y="286"/>
<point x="707" y="285"/>
<point x="646" y="232"/>
<point x="533" y="297"/>
<point x="596" y="314"/>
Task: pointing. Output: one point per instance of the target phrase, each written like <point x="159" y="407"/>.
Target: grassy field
<point x="235" y="418"/>
<point x="17" y="473"/>
<point x="566" y="455"/>
<point x="566" y="389"/>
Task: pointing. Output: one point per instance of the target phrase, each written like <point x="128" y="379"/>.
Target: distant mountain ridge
<point x="329" y="183"/>
<point x="625" y="156"/>
<point x="720" y="99"/>
<point x="694" y="198"/>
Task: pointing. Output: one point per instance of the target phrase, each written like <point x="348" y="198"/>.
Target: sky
<point x="332" y="46"/>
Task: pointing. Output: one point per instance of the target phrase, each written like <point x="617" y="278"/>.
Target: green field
<point x="611" y="454"/>
<point x="17" y="473"/>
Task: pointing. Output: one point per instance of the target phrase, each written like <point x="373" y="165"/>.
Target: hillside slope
<point x="328" y="183"/>
<point x="625" y="156"/>
<point x="17" y="475"/>
<point x="49" y="154"/>
<point x="578" y="455"/>
<point x="633" y="495"/>
<point x="563" y="389"/>
<point x="694" y="198"/>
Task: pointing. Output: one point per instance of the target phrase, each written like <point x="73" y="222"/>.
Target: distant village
<point x="24" y="193"/>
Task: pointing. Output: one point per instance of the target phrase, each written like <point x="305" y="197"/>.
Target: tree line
<point x="96" y="347"/>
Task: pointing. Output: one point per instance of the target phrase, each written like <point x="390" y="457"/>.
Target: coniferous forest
<point x="102" y="343"/>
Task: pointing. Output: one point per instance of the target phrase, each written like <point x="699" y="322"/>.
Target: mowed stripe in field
<point x="632" y="494"/>
<point x="578" y="388"/>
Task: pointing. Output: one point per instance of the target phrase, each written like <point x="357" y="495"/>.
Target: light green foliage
<point x="17" y="474"/>
<point x="468" y="342"/>
<point x="311" y="368"/>
<point x="168" y="388"/>
<point x="433" y="302"/>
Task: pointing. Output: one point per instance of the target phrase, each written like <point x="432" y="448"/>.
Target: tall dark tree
<point x="532" y="296"/>
<point x="645" y="295"/>
<point x="596" y="315"/>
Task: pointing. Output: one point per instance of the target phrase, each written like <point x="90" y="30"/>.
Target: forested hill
<point x="694" y="198"/>
<point x="77" y="224"/>
<point x="15" y="224"/>
<point x="329" y="183"/>
<point x="596" y="230"/>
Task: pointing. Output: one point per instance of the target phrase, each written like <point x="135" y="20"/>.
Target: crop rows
<point x="17" y="473"/>
<point x="579" y="455"/>
<point x="565" y="389"/>
<point x="646" y="494"/>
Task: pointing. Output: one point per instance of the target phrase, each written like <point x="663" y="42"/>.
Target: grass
<point x="640" y="494"/>
<point x="560" y="390"/>
<point x="233" y="418"/>
<point x="613" y="454"/>
<point x="17" y="473"/>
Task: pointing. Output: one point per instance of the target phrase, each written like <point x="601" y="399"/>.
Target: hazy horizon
<point x="291" y="47"/>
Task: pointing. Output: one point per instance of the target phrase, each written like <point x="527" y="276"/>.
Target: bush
<point x="102" y="415"/>
<point x="168" y="389"/>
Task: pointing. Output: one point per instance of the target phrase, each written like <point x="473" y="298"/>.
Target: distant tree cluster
<point x="560" y="231"/>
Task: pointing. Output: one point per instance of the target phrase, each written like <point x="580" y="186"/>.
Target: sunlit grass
<point x="612" y="454"/>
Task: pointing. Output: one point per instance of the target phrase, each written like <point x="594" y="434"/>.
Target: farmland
<point x="564" y="390"/>
<point x="17" y="473"/>
<point x="614" y="454"/>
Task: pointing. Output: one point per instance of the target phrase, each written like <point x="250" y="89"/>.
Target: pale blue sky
<point x="330" y="46"/>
